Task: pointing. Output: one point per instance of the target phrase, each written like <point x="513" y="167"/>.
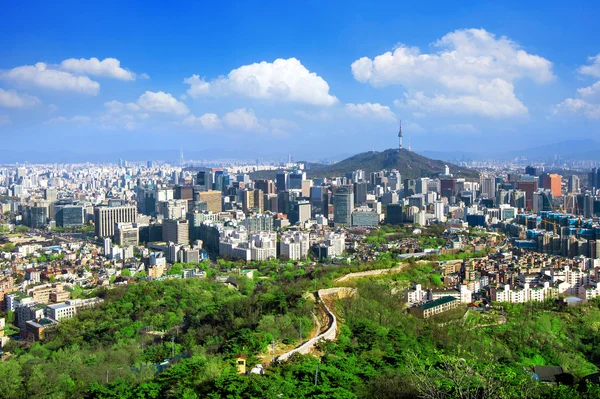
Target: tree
<point x="10" y="379"/>
<point x="126" y="273"/>
<point x="176" y="269"/>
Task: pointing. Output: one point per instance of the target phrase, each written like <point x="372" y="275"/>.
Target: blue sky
<point x="314" y="79"/>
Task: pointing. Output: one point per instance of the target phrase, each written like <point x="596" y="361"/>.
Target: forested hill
<point x="410" y="165"/>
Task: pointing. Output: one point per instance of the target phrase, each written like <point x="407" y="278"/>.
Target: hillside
<point x="410" y="164"/>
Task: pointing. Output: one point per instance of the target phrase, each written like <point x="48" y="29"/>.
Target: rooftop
<point x="441" y="301"/>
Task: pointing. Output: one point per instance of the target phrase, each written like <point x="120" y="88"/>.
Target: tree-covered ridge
<point x="380" y="352"/>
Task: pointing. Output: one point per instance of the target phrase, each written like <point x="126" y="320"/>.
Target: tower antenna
<point x="409" y="144"/>
<point x="400" y="134"/>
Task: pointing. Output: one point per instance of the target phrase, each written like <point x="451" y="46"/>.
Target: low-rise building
<point x="435" y="307"/>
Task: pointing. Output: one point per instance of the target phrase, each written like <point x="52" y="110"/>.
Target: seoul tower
<point x="400" y="134"/>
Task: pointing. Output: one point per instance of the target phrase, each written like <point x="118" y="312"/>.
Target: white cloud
<point x="12" y="99"/>
<point x="40" y="75"/>
<point x="161" y="102"/>
<point x="118" y="107"/>
<point x="52" y="108"/>
<point x="471" y="67"/>
<point x="589" y="103"/>
<point x="590" y="91"/>
<point x="5" y="120"/>
<point x="284" y="80"/>
<point x="593" y="69"/>
<point x="371" y="110"/>
<point x="495" y="100"/>
<point x="77" y="119"/>
<point x="108" y="67"/>
<point x="243" y="119"/>
<point x="461" y="128"/>
<point x="579" y="106"/>
<point x="207" y="121"/>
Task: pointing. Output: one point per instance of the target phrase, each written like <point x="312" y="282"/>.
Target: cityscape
<point x="254" y="235"/>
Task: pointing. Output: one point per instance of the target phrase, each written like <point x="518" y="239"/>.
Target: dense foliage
<point x="381" y="352"/>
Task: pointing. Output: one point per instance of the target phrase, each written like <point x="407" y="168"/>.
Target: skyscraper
<point x="106" y="217"/>
<point x="343" y="204"/>
<point x="551" y="182"/>
<point x="176" y="231"/>
<point x="574" y="185"/>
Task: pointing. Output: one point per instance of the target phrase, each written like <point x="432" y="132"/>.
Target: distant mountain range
<point x="409" y="164"/>
<point x="585" y="149"/>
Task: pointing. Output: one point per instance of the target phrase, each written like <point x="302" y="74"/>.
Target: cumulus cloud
<point x="108" y="67"/>
<point x="42" y="76"/>
<point x="588" y="103"/>
<point x="593" y="69"/>
<point x="115" y="107"/>
<point x="371" y="110"/>
<point x="207" y="121"/>
<point x="470" y="66"/>
<point x="579" y="106"/>
<point x="283" y="80"/>
<point x="243" y="119"/>
<point x="496" y="99"/>
<point x="12" y="99"/>
<point x="161" y="102"/>
<point x="590" y="91"/>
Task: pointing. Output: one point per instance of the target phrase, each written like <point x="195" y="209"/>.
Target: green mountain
<point x="410" y="165"/>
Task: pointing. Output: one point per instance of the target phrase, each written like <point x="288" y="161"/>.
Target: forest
<point x="178" y="339"/>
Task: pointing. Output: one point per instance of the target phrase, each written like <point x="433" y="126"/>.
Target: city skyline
<point x="251" y="79"/>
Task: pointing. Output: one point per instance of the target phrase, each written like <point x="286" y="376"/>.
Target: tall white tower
<point x="400" y="134"/>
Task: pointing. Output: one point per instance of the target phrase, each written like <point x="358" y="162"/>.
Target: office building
<point x="300" y="211"/>
<point x="176" y="231"/>
<point x="551" y="182"/>
<point x="281" y="182"/>
<point x="69" y="213"/>
<point x="127" y="234"/>
<point x="574" y="186"/>
<point x="107" y="217"/>
<point x="343" y="204"/>
<point x="173" y="209"/>
<point x="213" y="199"/>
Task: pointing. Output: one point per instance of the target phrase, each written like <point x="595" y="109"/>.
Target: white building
<point x="295" y="245"/>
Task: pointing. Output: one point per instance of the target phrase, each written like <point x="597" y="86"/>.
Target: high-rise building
<point x="343" y="204"/>
<point x="127" y="234"/>
<point x="213" y="199"/>
<point x="173" y="209"/>
<point x="551" y="182"/>
<point x="360" y="193"/>
<point x="533" y="170"/>
<point x="69" y="213"/>
<point x="300" y="211"/>
<point x="281" y="183"/>
<point x="107" y="217"/>
<point x="488" y="187"/>
<point x="266" y="186"/>
<point x="295" y="180"/>
<point x="176" y="231"/>
<point x="574" y="185"/>
<point x="50" y="194"/>
<point x="439" y="211"/>
<point x="259" y="200"/>
<point x="594" y="179"/>
<point x="528" y="187"/>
